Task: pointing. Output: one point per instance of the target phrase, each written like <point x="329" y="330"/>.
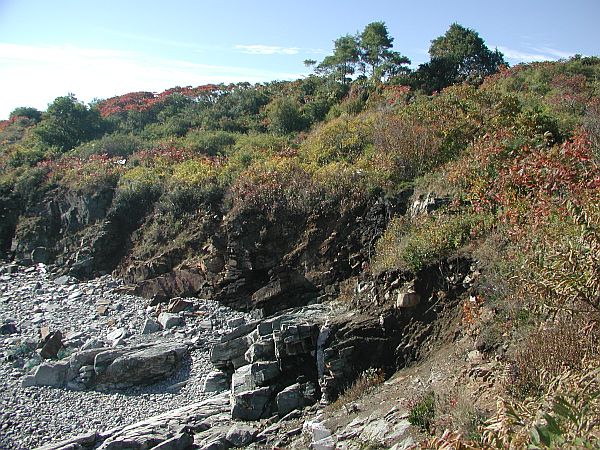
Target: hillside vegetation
<point x="514" y="153"/>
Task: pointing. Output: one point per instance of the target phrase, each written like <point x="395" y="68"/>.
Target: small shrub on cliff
<point x="550" y="351"/>
<point x="112" y="145"/>
<point x="414" y="245"/>
<point x="341" y="139"/>
<point x="365" y="381"/>
<point x="422" y="412"/>
<point x="413" y="148"/>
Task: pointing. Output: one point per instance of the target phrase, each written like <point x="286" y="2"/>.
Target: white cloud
<point x="36" y="75"/>
<point x="533" y="54"/>
<point x="521" y="56"/>
<point x="554" y="52"/>
<point x="258" y="49"/>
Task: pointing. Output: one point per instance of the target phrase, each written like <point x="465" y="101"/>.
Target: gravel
<point x="31" y="299"/>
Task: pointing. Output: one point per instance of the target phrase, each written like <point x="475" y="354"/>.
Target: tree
<point x="68" y="123"/>
<point x="344" y="59"/>
<point x="375" y="45"/>
<point x="459" y="55"/>
<point x="284" y="116"/>
<point x="394" y="65"/>
<point x="434" y="75"/>
<point x="26" y="111"/>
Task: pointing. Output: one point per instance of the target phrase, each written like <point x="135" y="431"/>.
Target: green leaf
<point x="564" y="409"/>
<point x="552" y="426"/>
<point x="535" y="436"/>
<point x="545" y="436"/>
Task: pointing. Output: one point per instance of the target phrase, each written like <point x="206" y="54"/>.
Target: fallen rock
<point x="116" y="337"/>
<point x="48" y="374"/>
<point x="139" y="366"/>
<point x="92" y="343"/>
<point x="169" y="320"/>
<point x="241" y="435"/>
<point x="177" y="305"/>
<point x="319" y="435"/>
<point x="407" y="300"/>
<point x="65" y="279"/>
<point x="216" y="381"/>
<point x="251" y="405"/>
<point x="150" y="326"/>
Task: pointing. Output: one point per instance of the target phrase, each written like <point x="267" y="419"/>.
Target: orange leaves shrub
<point x="412" y="147"/>
<point x="547" y="197"/>
<point x="86" y="176"/>
<point x="282" y="182"/>
<point x="271" y="184"/>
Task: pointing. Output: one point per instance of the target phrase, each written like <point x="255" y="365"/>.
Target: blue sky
<point x="102" y="48"/>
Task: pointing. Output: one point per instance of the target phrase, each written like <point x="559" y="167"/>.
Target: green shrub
<point x="210" y="142"/>
<point x="30" y="183"/>
<point x="26" y="156"/>
<point x="412" y="246"/>
<point x="264" y="144"/>
<point x="412" y="148"/>
<point x="117" y="144"/>
<point x="549" y="352"/>
<point x="132" y="202"/>
<point x="364" y="382"/>
<point x="422" y="414"/>
<point x="341" y="139"/>
<point x="285" y="116"/>
<point x="195" y="171"/>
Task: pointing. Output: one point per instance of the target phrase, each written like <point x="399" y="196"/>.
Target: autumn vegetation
<point x="514" y="150"/>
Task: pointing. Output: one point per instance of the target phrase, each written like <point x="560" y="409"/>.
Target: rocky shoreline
<point x="127" y="372"/>
<point x="31" y="300"/>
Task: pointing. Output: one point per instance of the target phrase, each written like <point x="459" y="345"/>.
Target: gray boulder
<point x="241" y="435"/>
<point x="251" y="405"/>
<point x="178" y="442"/>
<point x="136" y="367"/>
<point x="48" y="374"/>
<point x="169" y="320"/>
<point x="92" y="343"/>
<point x="230" y="354"/>
<point x="150" y="326"/>
<point x="296" y="396"/>
<point x="216" y="381"/>
<point x="254" y="375"/>
<point x="262" y="350"/>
